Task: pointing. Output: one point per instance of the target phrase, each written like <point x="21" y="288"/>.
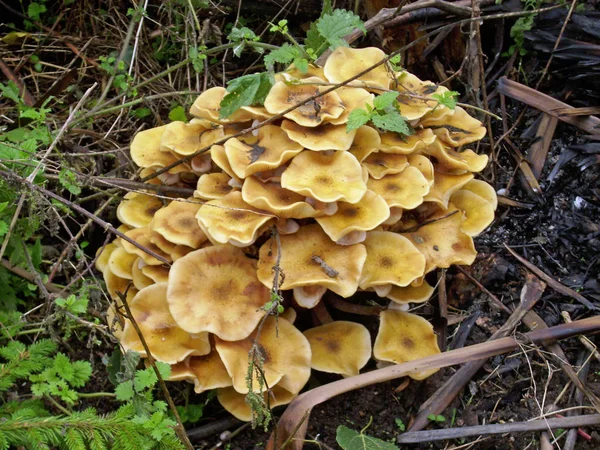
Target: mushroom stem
<point x="321" y="314"/>
<point x="353" y="308"/>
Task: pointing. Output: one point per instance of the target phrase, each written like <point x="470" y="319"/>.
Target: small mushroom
<point x="366" y="141"/>
<point x="411" y="294"/>
<point x="120" y="263"/>
<point x="103" y="255"/>
<point x="479" y="213"/>
<point x="208" y="105"/>
<point x="322" y="138"/>
<point x="380" y="164"/>
<point x="424" y="165"/>
<point x="404" y="337"/>
<point x="187" y="138"/>
<point x="405" y="189"/>
<point x="145" y="150"/>
<point x="143" y="236"/>
<point x="346" y="62"/>
<point x="159" y="274"/>
<point x="137" y="210"/>
<point x="405" y="145"/>
<point x="448" y="157"/>
<point x="115" y="284"/>
<point x="140" y="281"/>
<point x="339" y="347"/>
<point x="484" y="190"/>
<point x="444" y="185"/>
<point x="457" y="129"/>
<point x="416" y="97"/>
<point x="219" y="157"/>
<point x="177" y="223"/>
<point x="206" y="372"/>
<point x="352" y="98"/>
<point x="212" y="186"/>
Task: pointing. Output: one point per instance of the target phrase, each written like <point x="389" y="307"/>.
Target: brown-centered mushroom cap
<point x="380" y="164"/>
<point x="215" y="289"/>
<point x="165" y="339"/>
<point x="479" y="213"/>
<point x="327" y="178"/>
<point x="405" y="189"/>
<point x="285" y="352"/>
<point x="324" y="137"/>
<point x="177" y="223"/>
<point x="456" y="129"/>
<point x="206" y="372"/>
<point x="405" y="337"/>
<point x="444" y="185"/>
<point x="283" y="96"/>
<point x="346" y="62"/>
<point x="405" y="145"/>
<point x="484" y="190"/>
<point x="137" y="210"/>
<point x="235" y="403"/>
<point x="310" y="258"/>
<point x="186" y="138"/>
<point x="339" y="347"/>
<point x="212" y="186"/>
<point x="366" y="141"/>
<point x="230" y="219"/>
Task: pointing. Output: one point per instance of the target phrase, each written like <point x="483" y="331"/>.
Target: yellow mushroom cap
<point x="484" y="190"/>
<point x="346" y="62"/>
<point x="327" y="178"/>
<point x="166" y="340"/>
<point x="215" y="289"/>
<point x="283" y="96"/>
<point x="177" y="223"/>
<point x="414" y="108"/>
<point x="185" y="138"/>
<point x="273" y="149"/>
<point x="208" y="105"/>
<point x="212" y="186"/>
<point x="366" y="141"/>
<point x="339" y="347"/>
<point x="219" y="157"/>
<point x="405" y="145"/>
<point x="286" y="354"/>
<point x="230" y="219"/>
<point x="456" y="129"/>
<point x="404" y="337"/>
<point x="144" y="236"/>
<point x="145" y="150"/>
<point x="411" y="294"/>
<point x="391" y="260"/>
<point x="424" y="165"/>
<point x="114" y="284"/>
<point x="137" y="210"/>
<point x="159" y="274"/>
<point x="140" y="281"/>
<point x="323" y="137"/>
<point x="310" y="258"/>
<point x="206" y="372"/>
<point x="277" y="200"/>
<point x="478" y="211"/>
<point x="368" y="213"/>
<point x="448" y="157"/>
<point x="352" y="98"/>
<point x="103" y="255"/>
<point x="120" y="263"/>
<point x="405" y="189"/>
<point x="444" y="185"/>
<point x="380" y="164"/>
<point x="443" y="242"/>
<point x="235" y="403"/>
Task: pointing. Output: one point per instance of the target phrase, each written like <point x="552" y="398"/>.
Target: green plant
<point x="521" y="26"/>
<point x="122" y="80"/>
<point x="384" y="114"/>
<point x="400" y="424"/>
<point x="436" y="418"/>
<point x="349" y="439"/>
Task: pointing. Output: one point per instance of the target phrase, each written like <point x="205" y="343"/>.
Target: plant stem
<point x="96" y="394"/>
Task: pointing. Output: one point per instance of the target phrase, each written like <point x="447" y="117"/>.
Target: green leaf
<point x="145" y="379"/>
<point x="248" y="90"/>
<point x="382" y="101"/>
<point x="3" y="228"/>
<point x="394" y="62"/>
<point x="178" y="114"/>
<point x="285" y="54"/>
<point x="400" y="424"/>
<point x="11" y="91"/>
<point x="357" y="118"/>
<point x="391" y="121"/>
<point x="140" y="113"/>
<point x="447" y="99"/>
<point x="349" y="439"/>
<point x="63" y="367"/>
<point x="68" y="180"/>
<point x="164" y="369"/>
<point x="82" y="371"/>
<point x="333" y="27"/>
<point x="34" y="10"/>
<point x="124" y="391"/>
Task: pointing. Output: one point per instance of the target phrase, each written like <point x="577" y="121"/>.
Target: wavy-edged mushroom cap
<point x="144" y="236"/>
<point x="208" y="105"/>
<point x="405" y="189"/>
<point x="285" y="352"/>
<point x="484" y="190"/>
<point x="212" y="186"/>
<point x="411" y="294"/>
<point x="114" y="284"/>
<point x="121" y="262"/>
<point x="339" y="347"/>
<point x="166" y="340"/>
<point x="324" y="137"/>
<point x="219" y="157"/>
<point x="103" y="255"/>
<point x="391" y="260"/>
<point x="215" y="289"/>
<point x="448" y="157"/>
<point x="235" y="403"/>
<point x="424" y="165"/>
<point x="273" y="149"/>
<point x="405" y="145"/>
<point x="273" y="198"/>
<point x="310" y="258"/>
<point x="380" y="164"/>
<point x="283" y="96"/>
<point x="185" y="138"/>
<point x="177" y="223"/>
<point x="137" y="210"/>
<point x="404" y="337"/>
<point x="145" y="150"/>
<point x="230" y="219"/>
<point x="411" y="106"/>
<point x="346" y="62"/>
<point x="352" y="98"/>
<point x="479" y="213"/>
<point x="456" y="129"/>
<point x="443" y="243"/>
<point x="366" y="141"/>
<point x="140" y="281"/>
<point x="159" y="274"/>
<point x="293" y="73"/>
<point x="206" y="372"/>
<point x="327" y="178"/>
<point x="367" y="214"/>
<point x="444" y="185"/>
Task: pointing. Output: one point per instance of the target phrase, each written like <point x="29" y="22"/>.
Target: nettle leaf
<point x="68" y="180"/>
<point x="249" y="90"/>
<point x="447" y="99"/>
<point x="349" y="439"/>
<point x="287" y="54"/>
<point x="357" y="118"/>
<point x="164" y="369"/>
<point x="333" y="27"/>
<point x="145" y="379"/>
<point x="82" y="370"/>
<point x="384" y="100"/>
<point x="177" y="114"/>
<point x="391" y="121"/>
<point x="124" y="391"/>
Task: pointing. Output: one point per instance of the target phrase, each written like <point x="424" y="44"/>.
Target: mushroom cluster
<point x="332" y="209"/>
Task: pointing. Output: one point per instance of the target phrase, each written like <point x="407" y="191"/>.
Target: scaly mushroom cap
<point x="411" y="294"/>
<point x="103" y="255"/>
<point x="140" y="281"/>
<point x="327" y="178"/>
<point x="283" y="96"/>
<point x="143" y="236"/>
<point x="414" y="108"/>
<point x="352" y="98"/>
<point x="448" y="157"/>
<point x="215" y="289"/>
<point x="366" y="141"/>
<point x="185" y="138"/>
<point x="443" y="242"/>
<point x="424" y="165"/>
<point x="456" y="129"/>
<point x="478" y="211"/>
<point x="230" y="219"/>
<point x="212" y="186"/>
<point x="405" y="189"/>
<point x="339" y="347"/>
<point x="346" y="62"/>
<point x="324" y="137"/>
<point x="380" y="164"/>
<point x="391" y="260"/>
<point x="484" y="190"/>
<point x="177" y="223"/>
<point x="285" y="352"/>
<point x="273" y="198"/>
<point x="166" y="340"/>
<point x="137" y="210"/>
<point x="206" y="372"/>
<point x="145" y="151"/>
<point x="405" y="337"/>
<point x="444" y="185"/>
<point x="405" y="145"/>
<point x="272" y="150"/>
<point x="370" y="212"/>
<point x="121" y="262"/>
<point x="235" y="403"/>
<point x="310" y="258"/>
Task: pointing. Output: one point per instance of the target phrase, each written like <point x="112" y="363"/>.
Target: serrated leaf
<point x="391" y="121"/>
<point x="447" y="99"/>
<point x="177" y="114"/>
<point x="249" y="90"/>
<point x="124" y="391"/>
<point x="68" y="180"/>
<point x="382" y="101"/>
<point x="349" y="439"/>
<point x="314" y="42"/>
<point x="144" y="379"/>
<point x="357" y="118"/>
<point x="82" y="370"/>
<point x="285" y="54"/>
<point x="333" y="27"/>
<point x="164" y="369"/>
<point x="63" y="367"/>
